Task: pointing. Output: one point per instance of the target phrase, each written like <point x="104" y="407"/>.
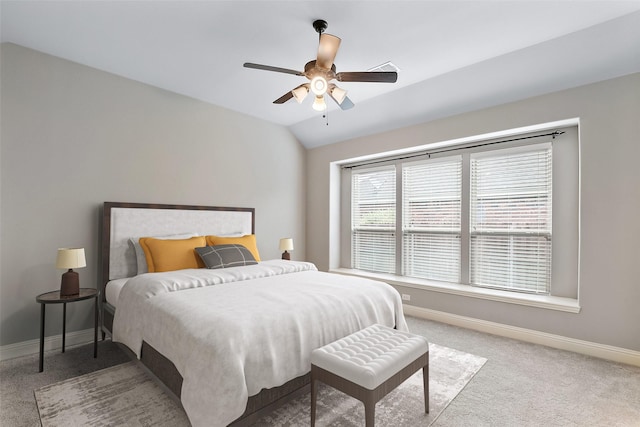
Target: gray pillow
<point x="223" y="256"/>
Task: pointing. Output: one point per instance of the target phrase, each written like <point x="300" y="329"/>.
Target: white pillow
<point x="141" y="260"/>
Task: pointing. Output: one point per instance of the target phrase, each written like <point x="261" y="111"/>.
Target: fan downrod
<point x="320" y="25"/>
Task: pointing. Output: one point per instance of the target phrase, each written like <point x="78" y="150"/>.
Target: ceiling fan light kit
<point x="322" y="71"/>
<point x="319" y="85"/>
<point x="337" y="93"/>
<point x="300" y="93"/>
<point x="319" y="104"/>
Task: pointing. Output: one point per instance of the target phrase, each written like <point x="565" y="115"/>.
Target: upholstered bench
<point x="369" y="364"/>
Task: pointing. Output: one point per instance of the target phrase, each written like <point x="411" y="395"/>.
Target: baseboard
<point x="615" y="354"/>
<point x="54" y="342"/>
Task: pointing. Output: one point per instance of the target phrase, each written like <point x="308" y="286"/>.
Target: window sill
<point x="569" y="305"/>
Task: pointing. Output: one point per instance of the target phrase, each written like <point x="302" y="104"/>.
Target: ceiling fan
<point x="322" y="71"/>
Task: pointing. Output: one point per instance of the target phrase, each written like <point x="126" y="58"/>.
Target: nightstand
<point x="55" y="298"/>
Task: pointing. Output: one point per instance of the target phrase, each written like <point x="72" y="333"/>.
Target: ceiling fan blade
<point x="284" y="98"/>
<point x="368" y="76"/>
<point x="346" y="102"/>
<point x="327" y="50"/>
<point x="270" y="68"/>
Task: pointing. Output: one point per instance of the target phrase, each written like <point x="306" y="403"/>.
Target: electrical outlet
<point x="406" y="297"/>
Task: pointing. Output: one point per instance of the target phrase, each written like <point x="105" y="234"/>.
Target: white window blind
<point x="373" y="220"/>
<point x="510" y="219"/>
<point x="431" y="219"/>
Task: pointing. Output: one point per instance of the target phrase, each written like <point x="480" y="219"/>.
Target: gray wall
<point x="609" y="290"/>
<point x="73" y="137"/>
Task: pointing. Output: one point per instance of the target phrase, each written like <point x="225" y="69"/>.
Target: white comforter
<point x="231" y="340"/>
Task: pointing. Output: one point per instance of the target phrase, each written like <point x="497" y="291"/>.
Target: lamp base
<point x="286" y="255"/>
<point x="70" y="284"/>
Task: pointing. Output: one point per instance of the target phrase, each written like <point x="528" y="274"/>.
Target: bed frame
<point x="123" y="220"/>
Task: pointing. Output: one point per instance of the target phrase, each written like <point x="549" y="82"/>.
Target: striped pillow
<point x="223" y="256"/>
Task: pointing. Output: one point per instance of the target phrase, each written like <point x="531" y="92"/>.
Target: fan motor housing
<point x="311" y="70"/>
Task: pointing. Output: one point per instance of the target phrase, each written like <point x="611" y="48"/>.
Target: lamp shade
<point x="71" y="258"/>
<point x="286" y="244"/>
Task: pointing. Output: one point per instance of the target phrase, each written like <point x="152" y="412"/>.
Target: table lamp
<point x="286" y="245"/>
<point x="70" y="258"/>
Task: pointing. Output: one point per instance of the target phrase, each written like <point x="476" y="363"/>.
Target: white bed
<point x="237" y="334"/>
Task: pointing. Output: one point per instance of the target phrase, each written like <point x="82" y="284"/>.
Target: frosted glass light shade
<point x="300" y="93"/>
<point x="319" y="104"/>
<point x="319" y="85"/>
<point x="338" y="94"/>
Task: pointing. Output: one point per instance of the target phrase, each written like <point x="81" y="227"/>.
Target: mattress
<point x="112" y="290"/>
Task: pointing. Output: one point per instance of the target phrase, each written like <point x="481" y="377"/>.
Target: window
<point x="510" y="210"/>
<point x="374" y="220"/>
<point x="493" y="215"/>
<point x="431" y="219"/>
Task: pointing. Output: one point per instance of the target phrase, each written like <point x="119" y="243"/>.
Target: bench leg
<point x="369" y="410"/>
<point x="425" y="379"/>
<point x="314" y="391"/>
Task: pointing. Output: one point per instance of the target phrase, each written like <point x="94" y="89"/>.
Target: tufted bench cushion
<point x="368" y="364"/>
<point x="371" y="356"/>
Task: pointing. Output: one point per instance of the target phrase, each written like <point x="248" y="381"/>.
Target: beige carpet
<point x="126" y="395"/>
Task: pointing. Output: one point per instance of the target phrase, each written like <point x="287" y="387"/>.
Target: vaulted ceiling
<point x="453" y="56"/>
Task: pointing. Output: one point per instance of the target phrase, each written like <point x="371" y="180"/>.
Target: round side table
<point x="54" y="297"/>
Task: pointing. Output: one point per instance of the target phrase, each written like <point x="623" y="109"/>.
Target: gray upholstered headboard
<point x="122" y="221"/>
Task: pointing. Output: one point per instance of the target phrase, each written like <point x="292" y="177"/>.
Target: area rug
<point x="126" y="395"/>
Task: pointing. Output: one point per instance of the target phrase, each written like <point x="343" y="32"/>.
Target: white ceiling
<point x="454" y="56"/>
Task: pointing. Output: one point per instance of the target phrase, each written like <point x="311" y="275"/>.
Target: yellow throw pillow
<point x="170" y="255"/>
<point x="248" y="241"/>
